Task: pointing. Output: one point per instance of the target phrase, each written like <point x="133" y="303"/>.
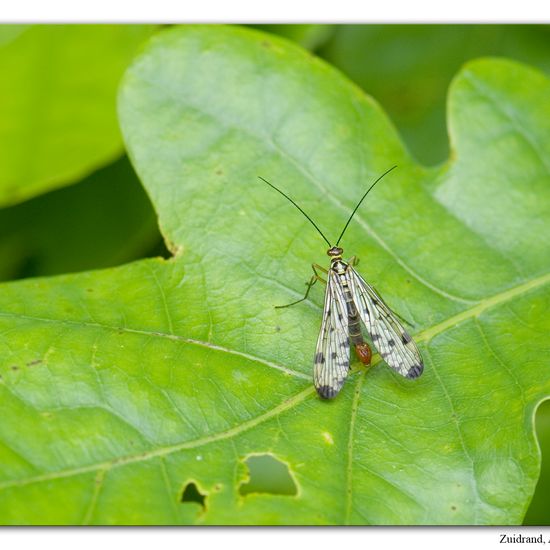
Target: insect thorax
<point x="336" y="263"/>
<point x="338" y="266"/>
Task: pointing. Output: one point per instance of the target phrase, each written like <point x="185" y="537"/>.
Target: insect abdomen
<point x="362" y="349"/>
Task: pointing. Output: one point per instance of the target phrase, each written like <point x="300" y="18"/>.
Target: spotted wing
<point x="333" y="347"/>
<point x="392" y="341"/>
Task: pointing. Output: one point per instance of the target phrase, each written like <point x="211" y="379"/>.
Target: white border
<point x="281" y="11"/>
<point x="358" y="538"/>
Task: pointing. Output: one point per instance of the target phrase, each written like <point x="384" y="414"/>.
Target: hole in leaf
<point x="268" y="475"/>
<point x="191" y="494"/>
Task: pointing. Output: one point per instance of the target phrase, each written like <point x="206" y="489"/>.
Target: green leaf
<point x="57" y="102"/>
<point x="111" y="221"/>
<point x="538" y="513"/>
<point x="309" y="36"/>
<point x="139" y="394"/>
<point x="408" y="68"/>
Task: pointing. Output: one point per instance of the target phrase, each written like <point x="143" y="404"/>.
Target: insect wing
<point x="392" y="341"/>
<point x="333" y="347"/>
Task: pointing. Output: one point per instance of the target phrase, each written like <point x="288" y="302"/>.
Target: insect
<point x="349" y="299"/>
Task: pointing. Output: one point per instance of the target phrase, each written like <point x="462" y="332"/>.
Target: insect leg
<point x="316" y="267"/>
<point x="314" y="278"/>
<point x="354" y="260"/>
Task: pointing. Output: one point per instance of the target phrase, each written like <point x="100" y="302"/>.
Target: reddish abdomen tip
<point x="364" y="353"/>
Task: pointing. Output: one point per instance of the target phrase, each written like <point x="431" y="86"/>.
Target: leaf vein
<point x="98" y="484"/>
<point x="349" y="465"/>
<point x="166" y="450"/>
<point x="156" y="334"/>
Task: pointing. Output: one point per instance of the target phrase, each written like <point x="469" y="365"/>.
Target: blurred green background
<point x="72" y="202"/>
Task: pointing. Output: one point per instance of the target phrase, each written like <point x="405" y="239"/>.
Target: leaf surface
<point x="123" y="388"/>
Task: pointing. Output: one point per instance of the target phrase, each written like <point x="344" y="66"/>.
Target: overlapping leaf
<point x="399" y="65"/>
<point x="110" y="218"/>
<point x="57" y="102"/>
<point x="121" y="387"/>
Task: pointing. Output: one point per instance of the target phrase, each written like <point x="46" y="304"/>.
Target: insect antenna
<point x="359" y="203"/>
<point x="287" y="197"/>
